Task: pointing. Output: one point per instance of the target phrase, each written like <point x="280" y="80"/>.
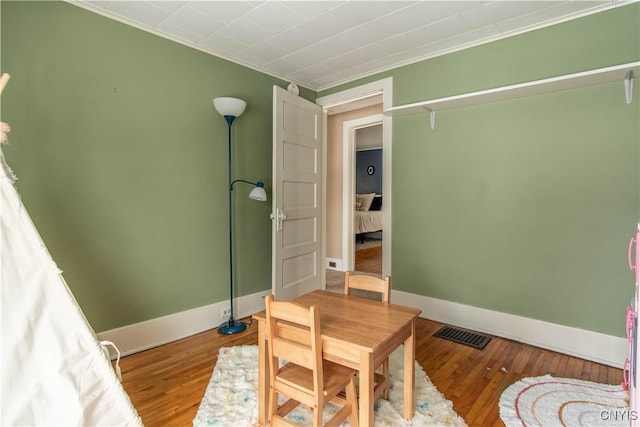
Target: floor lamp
<point x="230" y="109"/>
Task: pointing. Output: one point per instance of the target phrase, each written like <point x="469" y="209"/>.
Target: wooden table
<point x="358" y="333"/>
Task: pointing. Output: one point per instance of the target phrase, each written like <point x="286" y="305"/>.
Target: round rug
<point x="548" y="401"/>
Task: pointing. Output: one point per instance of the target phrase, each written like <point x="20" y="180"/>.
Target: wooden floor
<point x="167" y="383"/>
<point x="369" y="260"/>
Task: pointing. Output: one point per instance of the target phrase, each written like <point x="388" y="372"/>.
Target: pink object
<point x="625" y="374"/>
<point x="631" y="266"/>
<point x="637" y="239"/>
<point x="631" y="368"/>
<point x="631" y="315"/>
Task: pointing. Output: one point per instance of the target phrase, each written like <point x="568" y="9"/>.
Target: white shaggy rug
<point x="548" y="401"/>
<point x="231" y="398"/>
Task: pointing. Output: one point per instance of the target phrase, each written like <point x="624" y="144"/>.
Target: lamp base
<point x="231" y="326"/>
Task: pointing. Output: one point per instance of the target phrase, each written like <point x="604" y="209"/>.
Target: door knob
<point x="279" y="216"/>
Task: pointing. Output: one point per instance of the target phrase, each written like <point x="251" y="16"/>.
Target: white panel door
<point x="297" y="195"/>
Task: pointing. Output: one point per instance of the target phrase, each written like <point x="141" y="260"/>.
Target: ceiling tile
<point x="225" y="11"/>
<point x="246" y="31"/>
<point x="98" y="3"/>
<point x="342" y="61"/>
<point x="333" y="46"/>
<point x="244" y="57"/>
<point x="312" y="73"/>
<point x="274" y="16"/>
<point x="141" y="12"/>
<point x="547" y="14"/>
<point x="328" y="81"/>
<point x="376" y="50"/>
<point x="281" y="66"/>
<point x="311" y="9"/>
<point x="354" y="14"/>
<point x="424" y="13"/>
<point x="221" y="44"/>
<point x="170" y="5"/>
<point x="323" y="26"/>
<point x="503" y="10"/>
<point x="195" y="21"/>
<point x="307" y="56"/>
<point x="266" y="51"/>
<point x="357" y="70"/>
<point x="469" y="38"/>
<point x="429" y="33"/>
<point x="178" y="33"/>
<point x="293" y="40"/>
<point x="369" y="32"/>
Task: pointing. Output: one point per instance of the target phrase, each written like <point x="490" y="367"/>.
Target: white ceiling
<point x="320" y="44"/>
<point x="369" y="138"/>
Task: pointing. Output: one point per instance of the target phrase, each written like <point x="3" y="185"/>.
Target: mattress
<point x="367" y="221"/>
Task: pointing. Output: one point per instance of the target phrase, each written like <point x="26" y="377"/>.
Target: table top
<point x="359" y="322"/>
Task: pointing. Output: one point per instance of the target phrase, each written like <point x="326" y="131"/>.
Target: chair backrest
<point x="366" y="282"/>
<point x="293" y="334"/>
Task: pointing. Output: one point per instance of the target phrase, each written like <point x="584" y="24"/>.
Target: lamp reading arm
<point x="257" y="193"/>
<point x="257" y="184"/>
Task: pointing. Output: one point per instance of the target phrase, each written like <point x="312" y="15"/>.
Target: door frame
<point x="385" y="88"/>
<point x="349" y="183"/>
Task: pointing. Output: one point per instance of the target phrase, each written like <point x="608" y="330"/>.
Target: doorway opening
<point x="362" y="183"/>
<point x="368" y="176"/>
<point x="340" y="256"/>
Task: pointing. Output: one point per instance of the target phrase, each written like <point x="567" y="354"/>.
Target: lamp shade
<point x="258" y="192"/>
<point x="227" y="106"/>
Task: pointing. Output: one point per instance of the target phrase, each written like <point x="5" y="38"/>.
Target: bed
<point x="368" y="222"/>
<point x="368" y="214"/>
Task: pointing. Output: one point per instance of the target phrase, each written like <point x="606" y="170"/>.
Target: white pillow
<point x="365" y="201"/>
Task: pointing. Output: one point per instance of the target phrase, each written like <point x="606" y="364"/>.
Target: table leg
<point x="263" y="375"/>
<point x="409" y="373"/>
<point x="366" y="385"/>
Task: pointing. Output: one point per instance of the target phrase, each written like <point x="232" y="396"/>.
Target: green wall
<point x="122" y="161"/>
<point x="523" y="206"/>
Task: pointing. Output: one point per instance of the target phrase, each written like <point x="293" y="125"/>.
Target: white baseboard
<point x="154" y="332"/>
<point x="594" y="346"/>
<point x="334" y="264"/>
<point x="589" y="345"/>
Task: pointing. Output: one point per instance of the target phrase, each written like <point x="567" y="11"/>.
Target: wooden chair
<point x="382" y="286"/>
<point x="293" y="335"/>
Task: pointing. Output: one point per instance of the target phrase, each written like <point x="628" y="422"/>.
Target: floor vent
<point x="463" y="337"/>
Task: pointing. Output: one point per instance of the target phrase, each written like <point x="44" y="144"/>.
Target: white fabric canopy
<point x="54" y="370"/>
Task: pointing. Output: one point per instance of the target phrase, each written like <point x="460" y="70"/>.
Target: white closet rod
<point x="625" y="72"/>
